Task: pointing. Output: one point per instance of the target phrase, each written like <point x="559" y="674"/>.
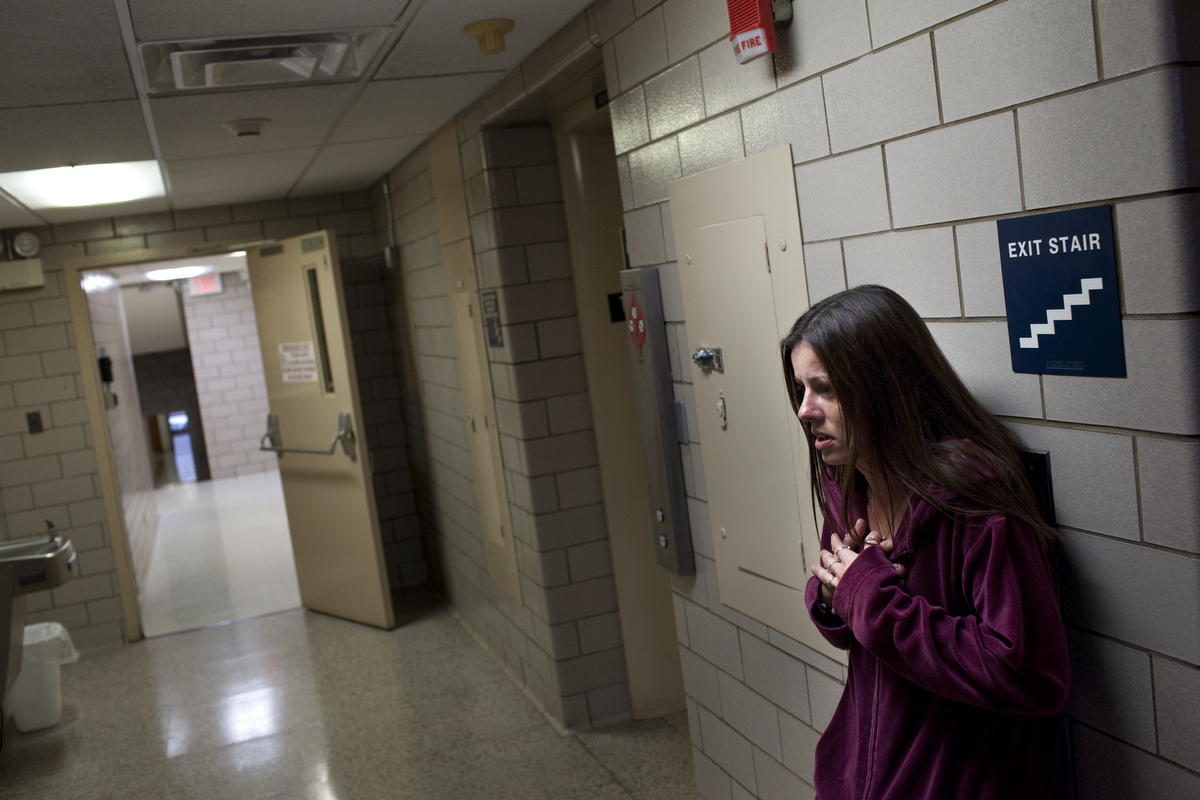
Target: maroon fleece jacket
<point x="957" y="669"/>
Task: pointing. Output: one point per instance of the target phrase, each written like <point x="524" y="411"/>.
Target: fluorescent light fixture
<point x="177" y="273"/>
<point x="97" y="282"/>
<point x="238" y="253"/>
<point x="87" y="185"/>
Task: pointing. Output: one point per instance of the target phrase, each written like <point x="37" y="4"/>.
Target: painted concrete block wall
<point x="126" y="426"/>
<point x="53" y="474"/>
<point x="562" y="642"/>
<point x="914" y="126"/>
<point x="232" y="389"/>
<point x="37" y="354"/>
<point x="417" y="311"/>
<point x="518" y="228"/>
<point x="383" y="419"/>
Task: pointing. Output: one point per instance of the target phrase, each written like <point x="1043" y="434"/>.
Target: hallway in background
<point x="222" y="553"/>
<point x="301" y="705"/>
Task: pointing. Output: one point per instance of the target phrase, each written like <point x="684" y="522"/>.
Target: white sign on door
<point x="298" y="362"/>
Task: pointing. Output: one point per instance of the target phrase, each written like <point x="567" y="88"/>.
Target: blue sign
<point x="1060" y="291"/>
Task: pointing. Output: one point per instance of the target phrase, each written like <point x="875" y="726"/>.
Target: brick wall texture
<point x="54" y="474"/>
<point x="126" y="426"/>
<point x="913" y="127"/>
<point x="228" y="366"/>
<point x="383" y="421"/>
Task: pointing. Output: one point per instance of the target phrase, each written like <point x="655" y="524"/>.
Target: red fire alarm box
<point x="751" y="29"/>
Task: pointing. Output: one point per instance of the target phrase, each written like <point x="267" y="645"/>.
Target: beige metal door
<point x="743" y="412"/>
<point x="313" y="391"/>
<point x="741" y="269"/>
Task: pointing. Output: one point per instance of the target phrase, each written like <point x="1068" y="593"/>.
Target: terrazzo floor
<point x="221" y="552"/>
<point x="300" y="705"/>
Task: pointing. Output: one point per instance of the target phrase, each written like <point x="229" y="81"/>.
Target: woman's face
<point x="819" y="407"/>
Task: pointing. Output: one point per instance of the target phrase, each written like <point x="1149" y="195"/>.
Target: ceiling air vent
<point x="258" y="61"/>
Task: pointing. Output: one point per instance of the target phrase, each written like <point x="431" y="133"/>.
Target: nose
<point x="808" y="411"/>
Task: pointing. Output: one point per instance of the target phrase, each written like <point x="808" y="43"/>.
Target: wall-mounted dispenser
<point x="104" y="364"/>
<point x="657" y="417"/>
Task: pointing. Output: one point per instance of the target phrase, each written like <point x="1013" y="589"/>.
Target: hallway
<point x="222" y="553"/>
<point x="300" y="705"/>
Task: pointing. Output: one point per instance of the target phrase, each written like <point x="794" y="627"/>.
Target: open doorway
<point x="595" y="221"/>
<point x="185" y="401"/>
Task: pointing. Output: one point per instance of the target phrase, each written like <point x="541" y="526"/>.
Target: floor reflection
<point x="299" y="705"/>
<point x="222" y="553"/>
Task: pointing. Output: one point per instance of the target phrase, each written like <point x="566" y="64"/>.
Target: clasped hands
<point x="835" y="561"/>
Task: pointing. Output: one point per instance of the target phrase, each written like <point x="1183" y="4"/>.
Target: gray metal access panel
<point x="647" y="339"/>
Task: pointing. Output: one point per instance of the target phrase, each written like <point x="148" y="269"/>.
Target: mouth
<point x="821" y="441"/>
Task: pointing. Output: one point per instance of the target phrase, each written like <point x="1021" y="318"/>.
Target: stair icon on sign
<point x="1053" y="315"/>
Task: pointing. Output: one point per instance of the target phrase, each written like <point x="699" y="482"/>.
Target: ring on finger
<point x="840" y="549"/>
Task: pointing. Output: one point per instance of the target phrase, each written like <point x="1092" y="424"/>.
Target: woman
<point x="934" y="571"/>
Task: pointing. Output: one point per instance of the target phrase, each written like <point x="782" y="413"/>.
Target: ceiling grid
<point x="76" y="93"/>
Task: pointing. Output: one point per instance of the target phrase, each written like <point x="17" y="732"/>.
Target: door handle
<point x="345" y="435"/>
<point x="709" y="358"/>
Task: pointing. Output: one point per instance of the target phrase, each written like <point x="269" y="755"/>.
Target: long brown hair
<point x="906" y="410"/>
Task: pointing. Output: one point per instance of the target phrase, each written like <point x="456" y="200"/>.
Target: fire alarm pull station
<point x="751" y="29"/>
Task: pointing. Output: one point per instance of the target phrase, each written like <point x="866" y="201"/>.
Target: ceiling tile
<point x="62" y="51"/>
<point x="436" y="44"/>
<point x="273" y="173"/>
<point x="189" y="126"/>
<point x="356" y="165"/>
<point x="15" y="216"/>
<point x="59" y="216"/>
<point x="223" y="197"/>
<point x="85" y="133"/>
<point x="154" y="20"/>
<point x="411" y="106"/>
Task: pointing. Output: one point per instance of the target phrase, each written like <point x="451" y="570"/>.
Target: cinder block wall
<point x="518" y="228"/>
<point x="562" y="643"/>
<point x="127" y="433"/>
<point x="914" y="126"/>
<point x="230" y="385"/>
<point x="383" y="420"/>
<point x="37" y="354"/>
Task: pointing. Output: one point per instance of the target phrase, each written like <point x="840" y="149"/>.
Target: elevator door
<point x="313" y="393"/>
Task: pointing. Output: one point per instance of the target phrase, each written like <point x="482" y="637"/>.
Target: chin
<point x="834" y="459"/>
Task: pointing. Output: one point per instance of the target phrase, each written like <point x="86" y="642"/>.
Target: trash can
<point x="36" y="696"/>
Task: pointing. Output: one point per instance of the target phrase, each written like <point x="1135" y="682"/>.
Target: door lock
<point x="709" y="358"/>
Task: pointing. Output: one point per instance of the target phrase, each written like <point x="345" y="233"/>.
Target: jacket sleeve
<point x="1009" y="655"/>
<point x="831" y="626"/>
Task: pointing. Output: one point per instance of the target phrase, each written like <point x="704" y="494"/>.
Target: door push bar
<point x="345" y="435"/>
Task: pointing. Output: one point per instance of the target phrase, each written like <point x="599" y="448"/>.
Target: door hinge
<point x="767" y="250"/>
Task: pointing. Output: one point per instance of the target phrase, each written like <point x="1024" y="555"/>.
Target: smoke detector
<point x="26" y="244"/>
<point x="259" y="60"/>
<point x="246" y="127"/>
<point x="490" y="33"/>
